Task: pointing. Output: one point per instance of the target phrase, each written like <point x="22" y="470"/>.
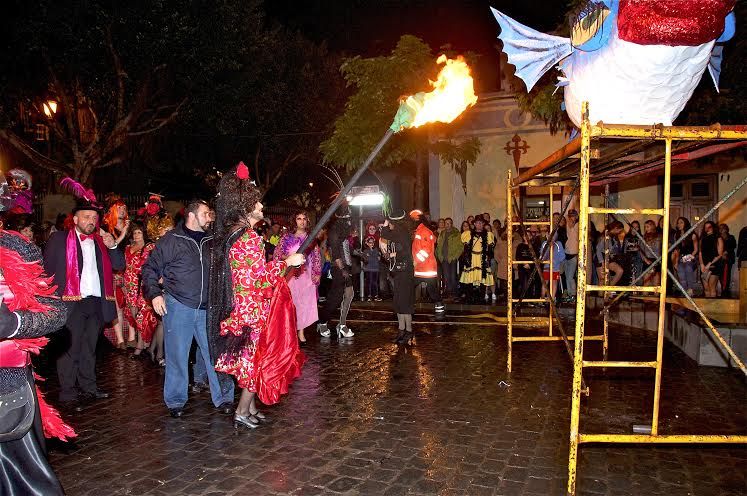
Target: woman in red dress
<point x="251" y="319"/>
<point x="140" y="314"/>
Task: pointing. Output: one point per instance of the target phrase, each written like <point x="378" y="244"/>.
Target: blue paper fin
<point x="714" y="64"/>
<point x="730" y="27"/>
<point x="533" y="53"/>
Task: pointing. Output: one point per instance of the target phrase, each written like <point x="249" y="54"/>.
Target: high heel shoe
<point x="261" y="417"/>
<point x="344" y="331"/>
<point x="248" y="421"/>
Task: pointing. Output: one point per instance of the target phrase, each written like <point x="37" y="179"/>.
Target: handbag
<point x="17" y="411"/>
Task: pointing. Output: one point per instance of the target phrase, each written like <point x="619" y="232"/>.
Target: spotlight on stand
<point x="365" y="196"/>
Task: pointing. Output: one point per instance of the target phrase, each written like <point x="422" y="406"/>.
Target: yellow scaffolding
<point x="560" y="166"/>
<point x="519" y="321"/>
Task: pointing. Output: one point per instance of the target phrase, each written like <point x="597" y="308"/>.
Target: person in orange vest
<point x="424" y="259"/>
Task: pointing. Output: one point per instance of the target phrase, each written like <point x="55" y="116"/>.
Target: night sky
<point x="373" y="27"/>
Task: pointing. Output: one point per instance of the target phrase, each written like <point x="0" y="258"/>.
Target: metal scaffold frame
<point x="560" y="166"/>
<point x="512" y="210"/>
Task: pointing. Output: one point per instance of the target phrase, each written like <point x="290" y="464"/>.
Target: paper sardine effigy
<point x="634" y="61"/>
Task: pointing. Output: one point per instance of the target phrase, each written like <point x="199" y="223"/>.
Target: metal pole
<point x="551" y="244"/>
<point x="341" y="197"/>
<point x="606" y="270"/>
<point x="360" y="236"/>
<point x="510" y="261"/>
<point x="663" y="291"/>
<point x="583" y="240"/>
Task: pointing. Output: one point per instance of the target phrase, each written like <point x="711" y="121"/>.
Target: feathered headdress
<point x="85" y="197"/>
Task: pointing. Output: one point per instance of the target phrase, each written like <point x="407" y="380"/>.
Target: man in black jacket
<point x="81" y="262"/>
<point x="181" y="260"/>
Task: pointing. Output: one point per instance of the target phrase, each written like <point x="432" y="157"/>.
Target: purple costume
<point x="303" y="284"/>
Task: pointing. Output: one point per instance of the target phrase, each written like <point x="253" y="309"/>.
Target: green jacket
<point x="455" y="247"/>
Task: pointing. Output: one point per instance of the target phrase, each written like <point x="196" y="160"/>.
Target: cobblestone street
<point x="442" y="417"/>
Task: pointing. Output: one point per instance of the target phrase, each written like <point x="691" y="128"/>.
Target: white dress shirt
<point x="90" y="285"/>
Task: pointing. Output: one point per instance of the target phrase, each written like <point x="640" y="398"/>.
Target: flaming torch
<point x="453" y="92"/>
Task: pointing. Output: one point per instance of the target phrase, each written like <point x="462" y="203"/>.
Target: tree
<point x="378" y="84"/>
<point x="271" y="110"/>
<point x="119" y="72"/>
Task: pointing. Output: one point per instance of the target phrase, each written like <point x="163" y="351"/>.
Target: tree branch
<point x="120" y="73"/>
<point x="292" y="157"/>
<point x="166" y="120"/>
<point x="17" y="143"/>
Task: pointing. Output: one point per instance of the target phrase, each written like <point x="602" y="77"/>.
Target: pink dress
<point x="305" y="280"/>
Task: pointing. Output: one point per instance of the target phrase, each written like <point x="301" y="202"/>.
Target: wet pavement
<point x="442" y="417"/>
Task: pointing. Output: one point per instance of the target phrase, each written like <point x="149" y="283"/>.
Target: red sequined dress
<point x="263" y="319"/>
<point x="144" y="319"/>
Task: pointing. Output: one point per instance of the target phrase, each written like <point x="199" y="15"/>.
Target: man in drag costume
<point x="251" y="318"/>
<point x="29" y="309"/>
<point x="341" y="292"/>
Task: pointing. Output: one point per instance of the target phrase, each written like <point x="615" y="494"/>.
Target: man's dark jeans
<point x="451" y="283"/>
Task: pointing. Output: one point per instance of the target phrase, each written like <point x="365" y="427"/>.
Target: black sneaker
<point x="176" y="412"/>
<point x="225" y="408"/>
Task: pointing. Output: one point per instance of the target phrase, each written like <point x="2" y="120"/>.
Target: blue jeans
<point x="199" y="370"/>
<point x="181" y="324"/>
<point x="686" y="274"/>
<point x="569" y="268"/>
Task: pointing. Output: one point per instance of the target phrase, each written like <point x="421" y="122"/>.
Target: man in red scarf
<point x="81" y="262"/>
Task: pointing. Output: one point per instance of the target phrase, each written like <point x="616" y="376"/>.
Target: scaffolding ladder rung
<point x="599" y="337"/>
<point x="624" y="364"/>
<point x="641" y="211"/>
<point x="624" y="289"/>
<point x="529" y="300"/>
<point x="663" y="439"/>
<point x="533" y="223"/>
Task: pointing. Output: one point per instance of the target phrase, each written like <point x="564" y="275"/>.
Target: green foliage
<point x="543" y="103"/>
<point x="378" y="84"/>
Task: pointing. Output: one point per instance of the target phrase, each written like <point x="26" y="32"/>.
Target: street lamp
<point x="50" y="108"/>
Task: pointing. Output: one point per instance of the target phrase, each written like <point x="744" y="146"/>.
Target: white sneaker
<point x="494" y="297"/>
<point x="323" y="330"/>
<point x="344" y="331"/>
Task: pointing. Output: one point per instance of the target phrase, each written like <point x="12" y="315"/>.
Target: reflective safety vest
<point x="424" y="252"/>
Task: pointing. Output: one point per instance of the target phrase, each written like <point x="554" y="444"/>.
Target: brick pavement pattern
<point x="370" y="418"/>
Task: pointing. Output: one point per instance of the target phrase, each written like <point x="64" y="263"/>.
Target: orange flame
<point x="453" y="92"/>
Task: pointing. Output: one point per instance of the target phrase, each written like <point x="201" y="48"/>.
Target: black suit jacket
<point x="55" y="265"/>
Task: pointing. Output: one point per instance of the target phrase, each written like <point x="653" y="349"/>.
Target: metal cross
<point x="517" y="149"/>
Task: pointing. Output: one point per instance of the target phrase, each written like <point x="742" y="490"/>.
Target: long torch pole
<point x="341" y="197"/>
